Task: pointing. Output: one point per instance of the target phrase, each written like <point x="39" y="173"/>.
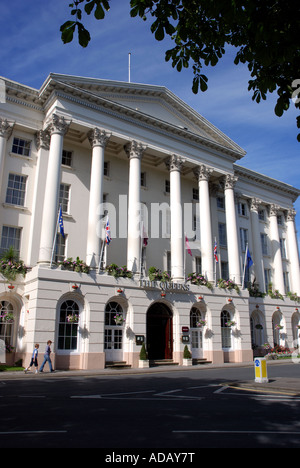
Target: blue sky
<point x="31" y="48"/>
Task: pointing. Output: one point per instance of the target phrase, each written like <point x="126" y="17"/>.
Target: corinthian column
<point x="231" y="230"/>
<point x="6" y="129"/>
<point x="278" y="282"/>
<point x="177" y="246"/>
<point x="134" y="151"/>
<point x="257" y="251"/>
<point x="293" y="252"/>
<point x="203" y="174"/>
<point x="98" y="140"/>
<point x="57" y="129"/>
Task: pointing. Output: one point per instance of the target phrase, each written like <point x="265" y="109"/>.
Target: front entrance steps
<point x="153" y="363"/>
<point x="117" y="365"/>
<point x="200" y="361"/>
<point x="162" y="362"/>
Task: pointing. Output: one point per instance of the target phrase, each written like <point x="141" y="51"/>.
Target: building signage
<point x="165" y="285"/>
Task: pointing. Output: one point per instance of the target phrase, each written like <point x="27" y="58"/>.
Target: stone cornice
<point x="269" y="182"/>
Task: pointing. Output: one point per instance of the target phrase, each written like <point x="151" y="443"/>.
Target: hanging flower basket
<point x="119" y="319"/>
<point x="73" y="318"/>
<point x="163" y="294"/>
<point x="201" y="323"/>
<point x="8" y="317"/>
<point x="230" y="323"/>
<point x="74" y="286"/>
<point x="278" y="327"/>
<point x="10" y="286"/>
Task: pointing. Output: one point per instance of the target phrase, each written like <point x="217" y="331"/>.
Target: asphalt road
<point x="168" y="413"/>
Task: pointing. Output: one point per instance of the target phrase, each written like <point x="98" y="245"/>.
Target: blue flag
<point x="61" y="223"/>
<point x="249" y="260"/>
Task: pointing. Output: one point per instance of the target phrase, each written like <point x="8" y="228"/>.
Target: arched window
<point x="68" y="326"/>
<point x="225" y="329"/>
<point x="6" y="322"/>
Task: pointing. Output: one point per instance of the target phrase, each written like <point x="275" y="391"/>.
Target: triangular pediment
<point x="155" y="104"/>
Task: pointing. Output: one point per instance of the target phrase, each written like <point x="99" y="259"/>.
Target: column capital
<point x="291" y="214"/>
<point x="6" y="128"/>
<point x="254" y="204"/>
<point x="174" y="163"/>
<point x="134" y="149"/>
<point x="98" y="137"/>
<point x="274" y="209"/>
<point x="42" y="139"/>
<point x="230" y="181"/>
<point x="58" y="124"/>
<point x="203" y="172"/>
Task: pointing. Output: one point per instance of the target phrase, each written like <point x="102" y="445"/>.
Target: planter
<point x="187" y="362"/>
<point x="143" y="363"/>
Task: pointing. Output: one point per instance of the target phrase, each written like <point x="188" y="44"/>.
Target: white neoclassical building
<point x="168" y="185"/>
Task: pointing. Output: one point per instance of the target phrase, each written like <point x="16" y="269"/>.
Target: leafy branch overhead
<point x="264" y="34"/>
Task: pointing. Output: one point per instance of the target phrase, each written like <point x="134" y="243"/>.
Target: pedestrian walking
<point x="34" y="360"/>
<point x="47" y="357"/>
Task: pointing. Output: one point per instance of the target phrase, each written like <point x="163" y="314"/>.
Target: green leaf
<point x="159" y="33"/>
<point x="67" y="31"/>
<point x="99" y="12"/>
<point x="83" y="35"/>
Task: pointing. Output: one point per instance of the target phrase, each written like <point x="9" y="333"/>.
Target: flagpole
<point x="102" y="248"/>
<point x="141" y="247"/>
<point x="54" y="240"/>
<point x="243" y="285"/>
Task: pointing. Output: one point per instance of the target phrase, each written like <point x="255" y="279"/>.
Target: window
<point x="262" y="215"/>
<point x="64" y="197"/>
<point x="60" y="248"/>
<point x="280" y="220"/>
<point x="268" y="279"/>
<point x="16" y="187"/>
<point x="198" y="267"/>
<point x="243" y="238"/>
<point x="143" y="179"/>
<point x="225" y="329"/>
<point x="167" y="186"/>
<point x="11" y="237"/>
<point x="67" y="158"/>
<point x="221" y="203"/>
<point x="6" y="324"/>
<point x="169" y="263"/>
<point x="224" y="270"/>
<point x="242" y="209"/>
<point x="283" y="248"/>
<point x="222" y="235"/>
<point x="68" y="326"/>
<point x="21" y="147"/>
<point x="264" y="243"/>
<point x="195" y="194"/>
<point x="106" y="168"/>
<point x="286" y="280"/>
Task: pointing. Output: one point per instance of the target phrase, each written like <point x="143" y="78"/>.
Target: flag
<point x="61" y="223"/>
<point x="187" y="246"/>
<point x="145" y="237"/>
<point x="216" y="252"/>
<point x="107" y="232"/>
<point x="249" y="260"/>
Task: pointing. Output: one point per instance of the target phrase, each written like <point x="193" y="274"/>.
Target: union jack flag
<point x="107" y="232"/>
<point x="216" y="252"/>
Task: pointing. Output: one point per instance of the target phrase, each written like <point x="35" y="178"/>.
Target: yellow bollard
<point x="260" y="366"/>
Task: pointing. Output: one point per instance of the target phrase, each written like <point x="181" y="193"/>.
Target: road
<point x="179" y="411"/>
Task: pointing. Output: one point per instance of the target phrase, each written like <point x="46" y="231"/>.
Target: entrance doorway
<point x="159" y="332"/>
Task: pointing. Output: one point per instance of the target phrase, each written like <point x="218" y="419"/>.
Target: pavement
<point x="283" y="385"/>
